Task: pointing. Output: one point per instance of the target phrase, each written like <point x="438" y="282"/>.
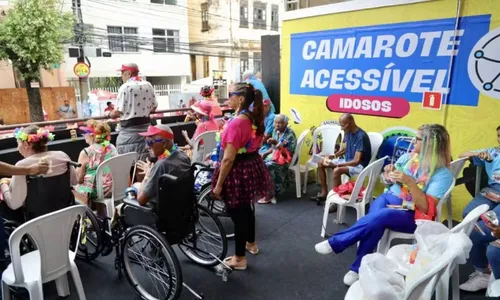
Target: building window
<point x="204" y="17"/>
<point x="206" y="67"/>
<point x="169" y="2"/>
<point x="274" y="17"/>
<point x="166" y="40"/>
<point x="244" y="14"/>
<point x="259" y="15"/>
<point x="257" y="62"/>
<point x="243" y="62"/>
<point x="123" y="39"/>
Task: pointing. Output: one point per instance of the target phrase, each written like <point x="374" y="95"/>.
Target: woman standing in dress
<point x="242" y="177"/>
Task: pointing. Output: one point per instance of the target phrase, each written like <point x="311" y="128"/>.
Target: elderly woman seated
<point x="279" y="156"/>
<point x="415" y="184"/>
<point x="32" y="144"/>
<point x="97" y="136"/>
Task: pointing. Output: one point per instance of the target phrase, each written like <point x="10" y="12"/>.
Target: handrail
<point x="77" y="120"/>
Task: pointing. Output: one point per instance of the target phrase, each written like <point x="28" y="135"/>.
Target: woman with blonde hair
<point x="97" y="135"/>
<point x="415" y="184"/>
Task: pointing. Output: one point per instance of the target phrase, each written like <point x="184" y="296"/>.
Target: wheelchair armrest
<point x="135" y="203"/>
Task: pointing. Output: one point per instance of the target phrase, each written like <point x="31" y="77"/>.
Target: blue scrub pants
<point x="369" y="229"/>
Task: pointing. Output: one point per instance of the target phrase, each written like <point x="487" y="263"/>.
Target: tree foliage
<point x="32" y="35"/>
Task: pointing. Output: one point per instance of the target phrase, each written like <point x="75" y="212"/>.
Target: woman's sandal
<point x="237" y="266"/>
<point x="264" y="201"/>
<point x="253" y="250"/>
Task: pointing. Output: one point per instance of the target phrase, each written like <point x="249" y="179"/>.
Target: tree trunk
<point x="35" y="102"/>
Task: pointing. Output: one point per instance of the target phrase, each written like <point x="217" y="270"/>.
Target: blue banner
<point x="396" y="60"/>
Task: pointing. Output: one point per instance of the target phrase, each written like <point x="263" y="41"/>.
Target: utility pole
<point x="80" y="40"/>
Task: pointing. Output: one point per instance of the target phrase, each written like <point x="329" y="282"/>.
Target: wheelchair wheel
<point x="150" y="264"/>
<point x="91" y="238"/>
<point x="218" y="208"/>
<point x="207" y="237"/>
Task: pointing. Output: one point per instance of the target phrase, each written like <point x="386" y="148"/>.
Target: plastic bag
<point x="379" y="279"/>
<point x="436" y="242"/>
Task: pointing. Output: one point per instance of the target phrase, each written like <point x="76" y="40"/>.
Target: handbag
<point x="282" y="157"/>
<point x="345" y="190"/>
<point x="431" y="210"/>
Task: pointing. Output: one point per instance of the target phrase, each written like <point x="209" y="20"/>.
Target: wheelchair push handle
<point x="202" y="167"/>
<point x="74" y="164"/>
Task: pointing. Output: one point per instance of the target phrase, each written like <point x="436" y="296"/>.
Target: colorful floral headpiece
<point x="34" y="137"/>
<point x="91" y="130"/>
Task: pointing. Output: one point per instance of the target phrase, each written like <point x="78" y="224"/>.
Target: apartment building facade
<point x="150" y="33"/>
<point x="224" y="36"/>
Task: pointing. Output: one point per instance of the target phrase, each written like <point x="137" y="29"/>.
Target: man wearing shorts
<point x="357" y="153"/>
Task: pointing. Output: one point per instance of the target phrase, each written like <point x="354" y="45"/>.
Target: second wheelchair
<point x="142" y="238"/>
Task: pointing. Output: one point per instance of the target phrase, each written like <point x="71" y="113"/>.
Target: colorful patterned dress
<point x="279" y="173"/>
<point x="97" y="153"/>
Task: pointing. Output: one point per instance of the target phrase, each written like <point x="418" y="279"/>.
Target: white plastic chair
<point x="399" y="253"/>
<point x="389" y="235"/>
<point x="330" y="134"/>
<point x="295" y="164"/>
<point x="53" y="259"/>
<point x="119" y="167"/>
<point x="376" y="140"/>
<point x="372" y="171"/>
<point x="456" y="167"/>
<point x="426" y="284"/>
<point x="209" y="144"/>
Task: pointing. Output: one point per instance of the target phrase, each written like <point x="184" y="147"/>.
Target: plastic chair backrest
<point x="445" y="197"/>
<point x="457" y="165"/>
<point x="330" y="134"/>
<point x="300" y="143"/>
<point x="376" y="140"/>
<point x="209" y="144"/>
<point x="119" y="167"/>
<point x="431" y="277"/>
<point x="51" y="234"/>
<point x="470" y="220"/>
<point x="373" y="172"/>
<point x="176" y="205"/>
<point x="48" y="194"/>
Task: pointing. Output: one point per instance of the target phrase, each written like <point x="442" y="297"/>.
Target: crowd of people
<point x="255" y="149"/>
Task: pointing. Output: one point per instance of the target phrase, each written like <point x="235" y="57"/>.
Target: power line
<point x="150" y="11"/>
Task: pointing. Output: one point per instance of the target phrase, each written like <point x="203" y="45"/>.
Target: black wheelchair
<point x="143" y="237"/>
<point x="216" y="206"/>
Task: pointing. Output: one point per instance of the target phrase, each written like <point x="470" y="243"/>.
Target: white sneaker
<point x="323" y="248"/>
<point x="477" y="281"/>
<point x="350" y="278"/>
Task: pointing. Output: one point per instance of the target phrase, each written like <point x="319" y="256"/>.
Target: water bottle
<point x="215" y="154"/>
<point x="118" y="127"/>
<point x="131" y="193"/>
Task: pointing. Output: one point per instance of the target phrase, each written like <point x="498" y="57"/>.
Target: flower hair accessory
<point x="34" y="137"/>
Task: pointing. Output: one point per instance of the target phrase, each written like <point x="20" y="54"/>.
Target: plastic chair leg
<point x="297" y="182"/>
<point x="304" y="188"/>
<point x="5" y="291"/>
<point x="35" y="290"/>
<point x="329" y="178"/>
<point x="340" y="214"/>
<point x="78" y="281"/>
<point x="325" y="218"/>
<point x="455" y="283"/>
<point x="62" y="285"/>
<point x="450" y="216"/>
<point x="384" y="243"/>
<point x="442" y="288"/>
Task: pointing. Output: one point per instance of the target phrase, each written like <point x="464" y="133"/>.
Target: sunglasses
<point x="235" y="94"/>
<point x="151" y="142"/>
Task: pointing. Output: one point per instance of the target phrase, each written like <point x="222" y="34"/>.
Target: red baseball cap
<point x="161" y="130"/>
<point x="129" y="67"/>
